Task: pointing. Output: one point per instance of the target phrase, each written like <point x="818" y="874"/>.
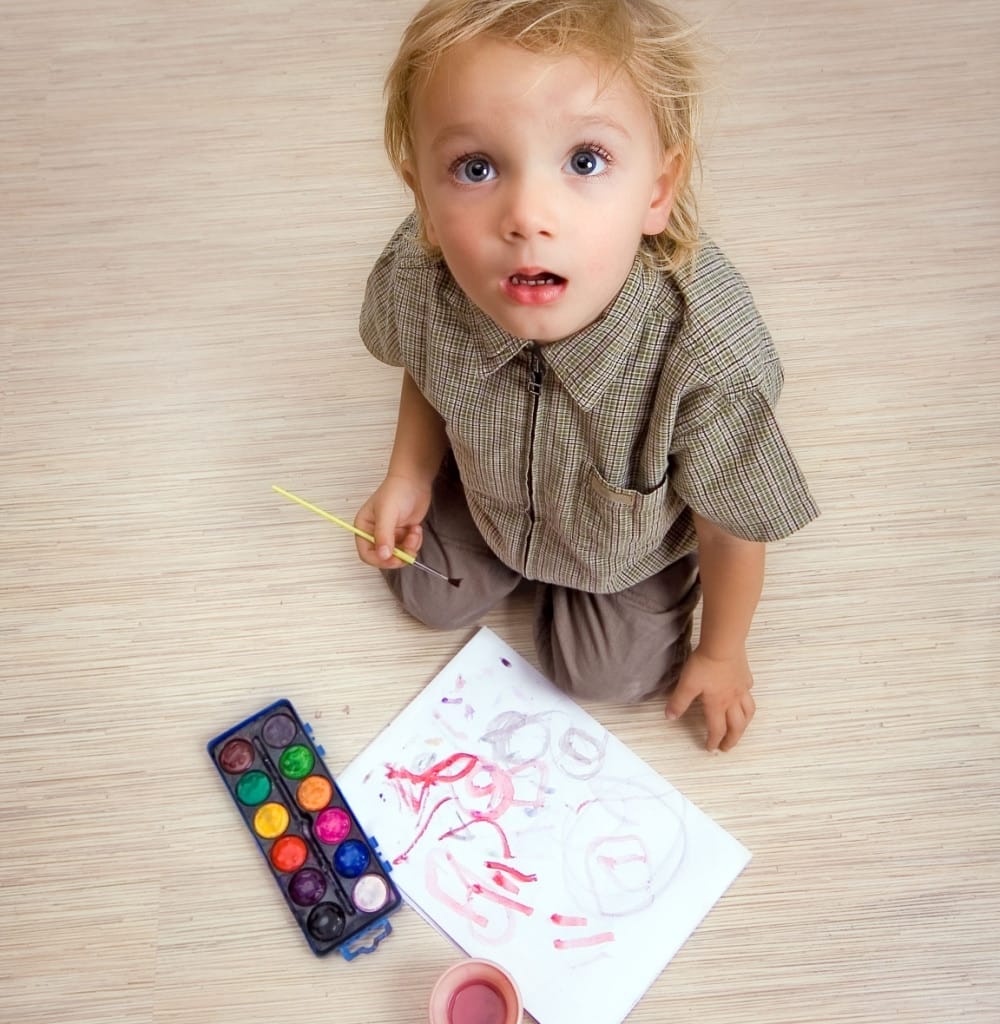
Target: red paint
<point x="465" y="891"/>
<point x="289" y="853"/>
<point x="440" y="772"/>
<point x="569" y="922"/>
<point x="589" y="940"/>
<point x="477" y="1003"/>
<point x="423" y="828"/>
<point x="612" y="862"/>
<point x="505" y="883"/>
<point x="480" y="821"/>
<point x="519" y="875"/>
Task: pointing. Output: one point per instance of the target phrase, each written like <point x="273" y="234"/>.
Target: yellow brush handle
<point x="403" y="556"/>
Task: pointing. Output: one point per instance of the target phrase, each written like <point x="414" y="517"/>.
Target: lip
<point x="517" y="288"/>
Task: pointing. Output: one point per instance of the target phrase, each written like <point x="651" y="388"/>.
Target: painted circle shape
<point x="279" y="730"/>
<point x="314" y="793"/>
<point x="236" y="757"/>
<point x="326" y="922"/>
<point x="332" y="826"/>
<point x="351" y="858"/>
<point x="289" y="853"/>
<point x="253" y="788"/>
<point x="307" y="887"/>
<point x="370" y="893"/>
<point x="270" y="821"/>
<point x="296" y="762"/>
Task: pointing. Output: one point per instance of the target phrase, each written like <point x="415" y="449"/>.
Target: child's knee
<point x="603" y="672"/>
<point x="432" y="602"/>
<point x="604" y="680"/>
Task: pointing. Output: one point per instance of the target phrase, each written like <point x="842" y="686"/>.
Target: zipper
<point x="536" y="371"/>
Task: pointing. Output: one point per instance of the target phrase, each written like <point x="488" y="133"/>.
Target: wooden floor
<point x="192" y="196"/>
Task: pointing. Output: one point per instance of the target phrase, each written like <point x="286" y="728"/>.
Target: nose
<point x="528" y="209"/>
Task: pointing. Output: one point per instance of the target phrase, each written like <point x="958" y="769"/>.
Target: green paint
<point x="296" y="762"/>
<point x="253" y="788"/>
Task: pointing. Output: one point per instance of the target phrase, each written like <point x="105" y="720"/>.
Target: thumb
<point x="681" y="699"/>
<point x="384" y="532"/>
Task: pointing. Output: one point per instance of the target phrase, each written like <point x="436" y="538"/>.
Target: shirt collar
<point x="586" y="362"/>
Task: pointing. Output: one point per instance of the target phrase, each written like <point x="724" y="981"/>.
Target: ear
<point x="413" y="184"/>
<point x="662" y="198"/>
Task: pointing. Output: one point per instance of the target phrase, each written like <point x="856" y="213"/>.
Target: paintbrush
<point x="403" y="556"/>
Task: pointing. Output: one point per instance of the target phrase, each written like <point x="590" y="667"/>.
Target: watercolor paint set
<point x="330" y="872"/>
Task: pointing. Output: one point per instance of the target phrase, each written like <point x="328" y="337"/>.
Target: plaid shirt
<point x="582" y="459"/>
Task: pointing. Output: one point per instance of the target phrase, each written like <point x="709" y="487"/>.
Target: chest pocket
<point x="625" y="525"/>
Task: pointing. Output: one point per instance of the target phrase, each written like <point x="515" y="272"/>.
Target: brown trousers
<point x="612" y="647"/>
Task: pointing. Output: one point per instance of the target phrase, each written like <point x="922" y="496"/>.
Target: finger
<point x="736" y="723"/>
<point x="737" y="719"/>
<point x="715" y="719"/>
<point x="681" y="699"/>
<point x="413" y="537"/>
<point x="383" y="528"/>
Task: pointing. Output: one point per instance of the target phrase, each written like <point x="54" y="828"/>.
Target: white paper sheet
<point x="532" y="837"/>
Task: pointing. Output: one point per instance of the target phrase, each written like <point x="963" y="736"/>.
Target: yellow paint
<point x="270" y="821"/>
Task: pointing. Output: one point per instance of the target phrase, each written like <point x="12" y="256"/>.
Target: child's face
<point x="537" y="178"/>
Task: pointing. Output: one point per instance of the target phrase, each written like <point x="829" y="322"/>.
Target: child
<point x="588" y="390"/>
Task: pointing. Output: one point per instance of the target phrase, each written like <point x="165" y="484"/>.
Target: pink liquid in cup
<point x="475" y="992"/>
<point x="477" y="1003"/>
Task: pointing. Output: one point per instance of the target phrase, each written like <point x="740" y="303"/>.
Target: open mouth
<point x="534" y="287"/>
<point x="536" y="280"/>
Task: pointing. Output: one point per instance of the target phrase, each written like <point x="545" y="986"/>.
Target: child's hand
<point x="392" y="515"/>
<point x="724" y="689"/>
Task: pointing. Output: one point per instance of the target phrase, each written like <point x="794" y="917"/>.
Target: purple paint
<point x="279" y="730"/>
<point x="307" y="887"/>
<point x="505" y="663"/>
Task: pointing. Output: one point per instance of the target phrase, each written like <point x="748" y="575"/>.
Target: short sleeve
<point x="378" y="323"/>
<point x="732" y="466"/>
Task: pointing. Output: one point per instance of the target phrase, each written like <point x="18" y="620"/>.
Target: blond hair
<point x="652" y="45"/>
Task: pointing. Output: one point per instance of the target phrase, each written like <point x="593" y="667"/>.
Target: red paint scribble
<point x="435" y="885"/>
<point x="589" y="940"/>
<point x="480" y="821"/>
<point x="438" y="773"/>
<point x="474" y="887"/>
<point x="505" y="883"/>
<point x="498" y="791"/>
<point x="612" y="862"/>
<point x="495" y="865"/>
<point x="458" y="737"/>
<point x="568" y="921"/>
<point x="423" y="828"/>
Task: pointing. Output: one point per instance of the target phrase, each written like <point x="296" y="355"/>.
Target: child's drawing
<point x="532" y="837"/>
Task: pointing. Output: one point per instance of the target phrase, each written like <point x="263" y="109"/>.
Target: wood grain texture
<point x="192" y="195"/>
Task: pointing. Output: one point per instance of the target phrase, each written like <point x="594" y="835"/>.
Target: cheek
<point x="457" y="233"/>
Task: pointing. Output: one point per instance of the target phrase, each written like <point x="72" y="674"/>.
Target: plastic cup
<point x="475" y="992"/>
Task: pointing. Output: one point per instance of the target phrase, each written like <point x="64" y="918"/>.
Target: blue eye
<point x="587" y="162"/>
<point x="473" y="170"/>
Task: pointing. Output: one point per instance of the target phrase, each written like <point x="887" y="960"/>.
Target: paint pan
<point x="331" y="873"/>
<point x="475" y="992"/>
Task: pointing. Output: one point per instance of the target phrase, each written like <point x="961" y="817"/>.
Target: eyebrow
<point x="577" y="124"/>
